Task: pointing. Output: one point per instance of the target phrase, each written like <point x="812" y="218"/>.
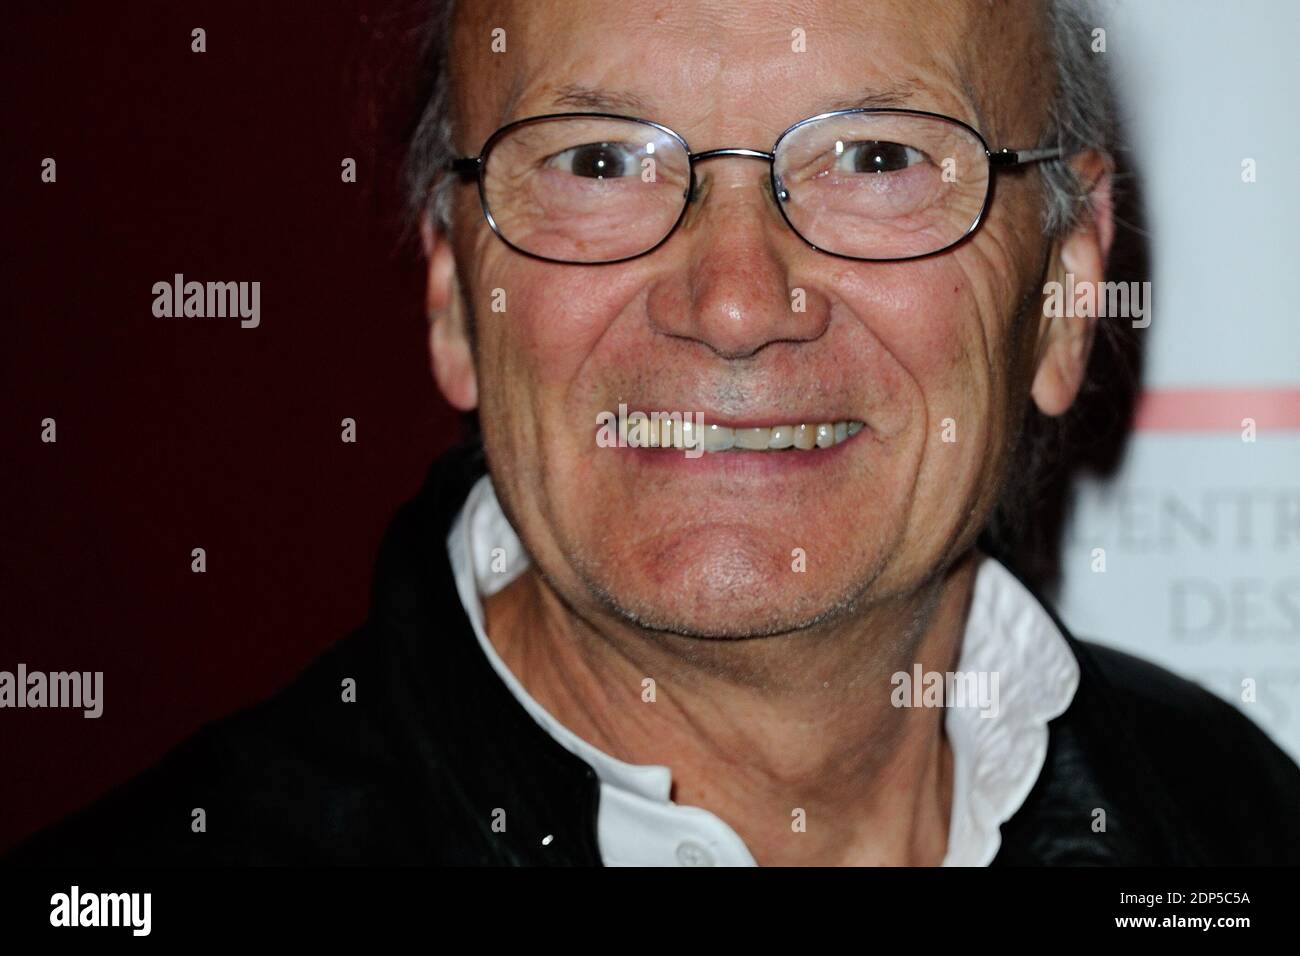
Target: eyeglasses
<point x="872" y="184"/>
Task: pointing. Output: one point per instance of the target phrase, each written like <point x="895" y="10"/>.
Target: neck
<point x="755" y="729"/>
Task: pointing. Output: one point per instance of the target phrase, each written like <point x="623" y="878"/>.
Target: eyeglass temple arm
<point x="1019" y="157"/>
<point x="466" y="167"/>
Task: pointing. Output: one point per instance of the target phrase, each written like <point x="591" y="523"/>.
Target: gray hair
<point x="1081" y="115"/>
<point x="432" y="144"/>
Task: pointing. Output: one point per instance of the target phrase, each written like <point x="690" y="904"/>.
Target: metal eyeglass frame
<point x="471" y="169"/>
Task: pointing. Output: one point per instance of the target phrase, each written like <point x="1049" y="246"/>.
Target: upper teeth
<point x="804" y="437"/>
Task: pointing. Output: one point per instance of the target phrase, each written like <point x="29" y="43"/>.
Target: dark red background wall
<point x="182" y="433"/>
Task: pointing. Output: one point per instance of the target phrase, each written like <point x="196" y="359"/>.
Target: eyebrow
<point x="907" y="94"/>
<point x="627" y="101"/>
<point x="900" y="95"/>
<point x="591" y="98"/>
<point x="588" y="97"/>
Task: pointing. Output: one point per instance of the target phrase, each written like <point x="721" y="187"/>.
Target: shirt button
<point x="690" y="853"/>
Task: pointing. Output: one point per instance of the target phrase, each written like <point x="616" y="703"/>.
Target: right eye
<point x="597" y="161"/>
<point x="879" y="156"/>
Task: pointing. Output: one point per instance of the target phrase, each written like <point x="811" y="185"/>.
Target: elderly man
<point x="747" y="298"/>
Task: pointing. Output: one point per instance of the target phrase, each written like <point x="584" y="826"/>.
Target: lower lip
<point x="739" y="464"/>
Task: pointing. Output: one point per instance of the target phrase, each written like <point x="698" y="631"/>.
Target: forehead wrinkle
<point x="973" y="98"/>
<point x="972" y="51"/>
<point x="513" y="96"/>
<point x="473" y="68"/>
<point x="1006" y="67"/>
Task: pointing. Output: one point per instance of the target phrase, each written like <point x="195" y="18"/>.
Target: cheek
<point x="940" y="325"/>
<point x="926" y="315"/>
<point x="536" y="325"/>
<point x="945" y="350"/>
<point x="538" y="381"/>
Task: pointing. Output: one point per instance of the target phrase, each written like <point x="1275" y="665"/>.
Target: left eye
<point x="876" y="156"/>
<point x="597" y="161"/>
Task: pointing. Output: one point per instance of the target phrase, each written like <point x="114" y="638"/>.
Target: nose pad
<point x="780" y="194"/>
<point x="696" y="193"/>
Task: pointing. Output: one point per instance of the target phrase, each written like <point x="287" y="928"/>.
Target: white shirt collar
<point x="996" y="761"/>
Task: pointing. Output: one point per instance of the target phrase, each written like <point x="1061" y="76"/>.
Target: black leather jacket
<point x="414" y="769"/>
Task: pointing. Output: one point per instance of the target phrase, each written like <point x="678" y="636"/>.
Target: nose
<point x="741" y="290"/>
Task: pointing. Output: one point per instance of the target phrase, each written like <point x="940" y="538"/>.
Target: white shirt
<point x="996" y="760"/>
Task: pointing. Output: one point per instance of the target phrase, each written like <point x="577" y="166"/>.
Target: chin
<point x="717" y="585"/>
<point x="719" y="623"/>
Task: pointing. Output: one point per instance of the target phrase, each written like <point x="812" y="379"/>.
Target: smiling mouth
<point x="720" y="438"/>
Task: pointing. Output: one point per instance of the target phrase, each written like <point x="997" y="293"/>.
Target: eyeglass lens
<point x="878" y="185"/>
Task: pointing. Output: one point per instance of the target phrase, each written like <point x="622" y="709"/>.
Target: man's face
<point x="934" y="356"/>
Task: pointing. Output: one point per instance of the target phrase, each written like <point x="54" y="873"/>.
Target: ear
<point x="1064" y="343"/>
<point x="450" y="354"/>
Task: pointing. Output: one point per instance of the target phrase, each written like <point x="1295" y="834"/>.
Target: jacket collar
<point x="1098" y="801"/>
<point x="533" y="802"/>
